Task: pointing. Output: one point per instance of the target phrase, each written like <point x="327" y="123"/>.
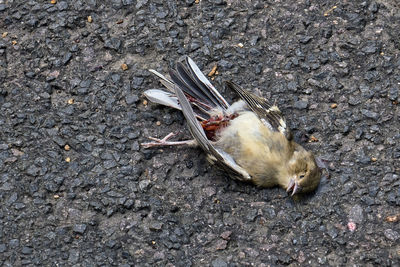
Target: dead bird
<point x="249" y="140"/>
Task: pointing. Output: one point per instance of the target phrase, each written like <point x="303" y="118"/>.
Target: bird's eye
<point x="301" y="176"/>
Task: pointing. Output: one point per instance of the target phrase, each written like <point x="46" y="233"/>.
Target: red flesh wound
<point x="215" y="124"/>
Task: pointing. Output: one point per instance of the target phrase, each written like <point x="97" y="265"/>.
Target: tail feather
<point x="163" y="98"/>
<point x="164" y="80"/>
<point x="168" y="99"/>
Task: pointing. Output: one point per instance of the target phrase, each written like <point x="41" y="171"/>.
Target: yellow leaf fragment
<point x="329" y="11"/>
<point x="213" y="71"/>
<point x="124" y="66"/>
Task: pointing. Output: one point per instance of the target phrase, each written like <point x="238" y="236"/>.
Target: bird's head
<point x="304" y="173"/>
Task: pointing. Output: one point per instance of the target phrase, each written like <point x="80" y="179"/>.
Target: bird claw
<point x="159" y="142"/>
<point x="165" y="142"/>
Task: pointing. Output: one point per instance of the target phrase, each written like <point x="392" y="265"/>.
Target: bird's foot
<point x="165" y="142"/>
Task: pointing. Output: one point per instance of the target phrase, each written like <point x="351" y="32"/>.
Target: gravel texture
<point x="76" y="188"/>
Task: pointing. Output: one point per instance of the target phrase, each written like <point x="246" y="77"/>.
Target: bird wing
<point x="192" y="81"/>
<point x="217" y="156"/>
<point x="269" y="114"/>
<point x="200" y="92"/>
<point x="204" y="83"/>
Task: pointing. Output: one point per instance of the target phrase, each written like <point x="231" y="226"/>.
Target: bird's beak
<point x="293" y="186"/>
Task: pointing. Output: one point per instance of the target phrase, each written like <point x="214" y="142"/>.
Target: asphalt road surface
<point x="76" y="188"/>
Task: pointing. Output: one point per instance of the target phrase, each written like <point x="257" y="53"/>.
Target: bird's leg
<point x="165" y="142"/>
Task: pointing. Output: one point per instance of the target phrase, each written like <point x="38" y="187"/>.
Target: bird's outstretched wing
<point x="201" y="93"/>
<point x="269" y="114"/>
<point x="217" y="156"/>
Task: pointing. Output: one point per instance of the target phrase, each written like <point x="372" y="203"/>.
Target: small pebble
<point x="351" y="226"/>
